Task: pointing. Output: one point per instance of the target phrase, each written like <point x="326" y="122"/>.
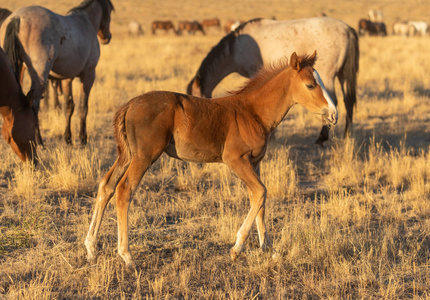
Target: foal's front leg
<point x="257" y="193"/>
<point x="263" y="236"/>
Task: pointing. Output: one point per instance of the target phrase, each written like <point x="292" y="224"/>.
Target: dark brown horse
<point x="233" y="130"/>
<point x="162" y="25"/>
<point x="191" y="27"/>
<point x="208" y="23"/>
<point x="60" y="47"/>
<point x="20" y="123"/>
<point x="366" y="27"/>
<point x="381" y="28"/>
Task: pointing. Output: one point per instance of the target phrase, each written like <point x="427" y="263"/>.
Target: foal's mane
<point x="266" y="73"/>
<point x="106" y="5"/>
<point x="262" y="76"/>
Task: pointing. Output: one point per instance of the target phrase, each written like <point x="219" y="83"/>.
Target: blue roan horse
<point x="60" y="47"/>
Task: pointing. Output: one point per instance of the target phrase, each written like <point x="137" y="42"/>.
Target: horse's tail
<point x="12" y="46"/>
<point x="350" y="68"/>
<point x="349" y="74"/>
<point x="120" y="133"/>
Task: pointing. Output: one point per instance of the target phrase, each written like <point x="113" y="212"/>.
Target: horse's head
<point x="309" y="90"/>
<point x="20" y="130"/>
<point x="104" y="30"/>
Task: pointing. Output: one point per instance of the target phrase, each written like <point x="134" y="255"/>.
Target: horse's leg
<point x="69" y="107"/>
<point x="245" y="171"/>
<point x="55" y="83"/>
<point x="46" y="95"/>
<point x="87" y="81"/>
<point x="329" y="85"/>
<point x="39" y="71"/>
<point x="349" y="99"/>
<point x="105" y="192"/>
<point x="38" y="86"/>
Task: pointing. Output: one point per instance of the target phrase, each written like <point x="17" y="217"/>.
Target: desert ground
<point x="348" y="220"/>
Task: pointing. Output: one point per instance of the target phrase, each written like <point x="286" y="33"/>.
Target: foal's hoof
<point x="91" y="258"/>
<point x="129" y="263"/>
<point x="235" y="252"/>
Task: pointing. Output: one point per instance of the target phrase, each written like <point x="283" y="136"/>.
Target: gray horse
<point x="261" y="42"/>
<point x="60" y="47"/>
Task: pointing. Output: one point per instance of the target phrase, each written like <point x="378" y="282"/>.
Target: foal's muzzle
<point x="330" y="116"/>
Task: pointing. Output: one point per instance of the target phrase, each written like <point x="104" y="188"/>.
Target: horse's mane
<point x="224" y="48"/>
<point x="266" y="73"/>
<point x="217" y="53"/>
<point x="106" y="5"/>
<point x="239" y="28"/>
<point x="4" y="13"/>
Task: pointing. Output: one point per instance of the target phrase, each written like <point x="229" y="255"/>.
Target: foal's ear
<point x="30" y="97"/>
<point x="312" y="58"/>
<point x="294" y="62"/>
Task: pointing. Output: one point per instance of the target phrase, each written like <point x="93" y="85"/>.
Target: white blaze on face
<point x="325" y="93"/>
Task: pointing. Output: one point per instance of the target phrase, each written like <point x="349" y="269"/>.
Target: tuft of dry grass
<point x="350" y="220"/>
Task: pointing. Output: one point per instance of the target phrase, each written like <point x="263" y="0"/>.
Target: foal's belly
<point x="193" y="153"/>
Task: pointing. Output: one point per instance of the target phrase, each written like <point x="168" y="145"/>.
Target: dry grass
<point x="350" y="220"/>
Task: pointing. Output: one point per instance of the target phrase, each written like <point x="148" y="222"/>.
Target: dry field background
<point x="350" y="220"/>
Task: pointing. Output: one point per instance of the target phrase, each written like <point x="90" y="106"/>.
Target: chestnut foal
<point x="233" y="130"/>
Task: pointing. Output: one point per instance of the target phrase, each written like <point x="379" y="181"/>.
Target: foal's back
<point x="188" y="127"/>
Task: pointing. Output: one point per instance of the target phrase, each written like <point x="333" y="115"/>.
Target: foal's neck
<point x="272" y="101"/>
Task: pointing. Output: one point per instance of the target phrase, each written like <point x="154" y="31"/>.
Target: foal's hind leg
<point x="124" y="192"/>
<point x="104" y="194"/>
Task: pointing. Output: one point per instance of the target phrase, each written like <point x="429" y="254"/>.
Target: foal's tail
<point x="12" y="46"/>
<point x="124" y="153"/>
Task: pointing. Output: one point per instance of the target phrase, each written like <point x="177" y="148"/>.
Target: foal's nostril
<point x="333" y="118"/>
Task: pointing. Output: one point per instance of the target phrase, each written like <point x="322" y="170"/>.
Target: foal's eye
<point x="310" y="86"/>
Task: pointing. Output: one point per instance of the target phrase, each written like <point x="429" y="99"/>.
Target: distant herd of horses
<point x="233" y="130"/>
<point x="375" y="26"/>
<point x="189" y="27"/>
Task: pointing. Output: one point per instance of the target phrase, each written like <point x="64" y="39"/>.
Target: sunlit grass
<point x="349" y="220"/>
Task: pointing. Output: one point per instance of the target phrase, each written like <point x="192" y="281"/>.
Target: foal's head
<point x="309" y="90"/>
